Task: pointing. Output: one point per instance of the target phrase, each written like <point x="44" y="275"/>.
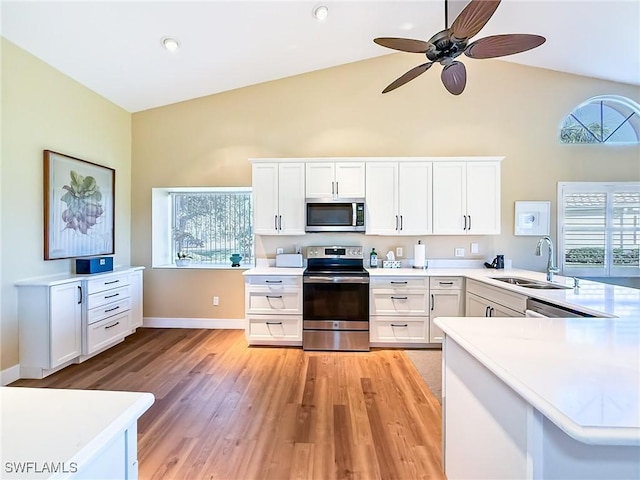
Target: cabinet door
<point x="65" y="315"/>
<point x="483" y="198"/>
<point x="135" y="279"/>
<point x="382" y="198"/>
<point x="476" y="306"/>
<point x="449" y="197"/>
<point x="414" y="198"/>
<point x="291" y="220"/>
<point x="498" y="310"/>
<point x="444" y="303"/>
<point x="320" y="180"/>
<point x="350" y="179"/>
<point x="265" y="198"/>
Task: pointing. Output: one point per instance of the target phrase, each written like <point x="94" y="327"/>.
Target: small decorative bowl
<point x="183" y="262"/>
<point x="235" y="259"/>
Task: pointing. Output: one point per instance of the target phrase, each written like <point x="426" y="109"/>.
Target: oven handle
<point x="329" y="279"/>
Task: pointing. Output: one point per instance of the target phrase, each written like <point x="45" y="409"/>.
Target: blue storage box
<point x="94" y="265"/>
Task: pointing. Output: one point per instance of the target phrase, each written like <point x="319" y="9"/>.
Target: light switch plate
<point x="474" y="248"/>
<point x="398" y="251"/>
<point x="279" y="250"/>
<point x="459" y="252"/>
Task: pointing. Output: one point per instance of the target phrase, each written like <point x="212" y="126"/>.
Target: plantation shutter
<point x="599" y="227"/>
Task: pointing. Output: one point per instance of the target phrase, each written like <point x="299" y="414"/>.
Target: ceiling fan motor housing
<point x="445" y="48"/>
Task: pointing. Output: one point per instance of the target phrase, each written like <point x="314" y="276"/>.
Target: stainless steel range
<point x="335" y="292"/>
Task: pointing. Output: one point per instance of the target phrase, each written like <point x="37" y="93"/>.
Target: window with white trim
<point x="206" y="225"/>
<point x="599" y="229"/>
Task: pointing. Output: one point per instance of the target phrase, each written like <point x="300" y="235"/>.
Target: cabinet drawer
<point x="276" y="328"/>
<point x="105" y="332"/>
<point x="446" y="283"/>
<point x="106" y="282"/>
<point x="108" y="310"/>
<point x="399" y="282"/>
<point x="108" y="296"/>
<point x="405" y="303"/>
<point x="275" y="281"/>
<point x="285" y="301"/>
<point x="400" y="329"/>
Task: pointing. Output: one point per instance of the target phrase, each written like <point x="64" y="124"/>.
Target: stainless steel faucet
<point x="551" y="268"/>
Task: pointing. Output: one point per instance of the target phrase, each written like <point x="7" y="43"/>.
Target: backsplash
<point x="437" y="247"/>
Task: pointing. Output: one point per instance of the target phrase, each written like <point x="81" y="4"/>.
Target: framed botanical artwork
<point x="79" y="207"/>
<point x="532" y="218"/>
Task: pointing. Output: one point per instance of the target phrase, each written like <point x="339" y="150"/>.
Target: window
<point x="206" y="224"/>
<point x="599" y="228"/>
<point x="605" y="119"/>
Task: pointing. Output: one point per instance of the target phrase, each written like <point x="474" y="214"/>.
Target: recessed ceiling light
<point x="170" y="44"/>
<point x="321" y="12"/>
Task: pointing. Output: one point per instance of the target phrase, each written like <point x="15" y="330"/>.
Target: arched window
<point x="609" y="119"/>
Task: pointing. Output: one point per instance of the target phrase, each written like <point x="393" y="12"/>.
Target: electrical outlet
<point x="398" y="251"/>
<point x="474" y="248"/>
<point x="279" y="250"/>
<point x="216" y="301"/>
<point x="459" y="252"/>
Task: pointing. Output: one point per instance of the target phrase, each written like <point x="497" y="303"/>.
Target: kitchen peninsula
<point x="541" y="398"/>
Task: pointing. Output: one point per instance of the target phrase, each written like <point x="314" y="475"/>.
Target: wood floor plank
<point x="227" y="411"/>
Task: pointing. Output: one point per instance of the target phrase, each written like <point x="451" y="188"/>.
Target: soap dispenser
<point x="373" y="259"/>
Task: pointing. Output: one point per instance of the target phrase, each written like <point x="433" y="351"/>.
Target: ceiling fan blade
<point x="407" y="77"/>
<point x="454" y="77"/>
<point x="403" y="44"/>
<point x="501" y="45"/>
<point x="473" y="18"/>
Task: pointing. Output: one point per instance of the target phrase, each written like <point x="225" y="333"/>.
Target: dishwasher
<point x="541" y="308"/>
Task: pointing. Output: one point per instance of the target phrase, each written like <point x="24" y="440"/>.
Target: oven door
<point x="328" y="298"/>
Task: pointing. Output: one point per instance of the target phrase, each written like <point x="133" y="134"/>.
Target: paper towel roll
<point x="419" y="252"/>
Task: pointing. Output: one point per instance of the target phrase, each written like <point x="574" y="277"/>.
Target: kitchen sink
<point x="524" y="282"/>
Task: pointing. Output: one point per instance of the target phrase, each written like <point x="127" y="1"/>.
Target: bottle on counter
<point x="373" y="259"/>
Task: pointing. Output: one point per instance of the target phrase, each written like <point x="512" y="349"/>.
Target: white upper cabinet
<point x="398" y="198"/>
<point x="466" y="198"/>
<point x="335" y="180"/>
<point x="278" y="198"/>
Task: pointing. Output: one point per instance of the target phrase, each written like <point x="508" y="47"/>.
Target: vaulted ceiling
<point x="114" y="47"/>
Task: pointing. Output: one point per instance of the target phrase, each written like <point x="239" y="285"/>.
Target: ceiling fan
<point x="445" y="46"/>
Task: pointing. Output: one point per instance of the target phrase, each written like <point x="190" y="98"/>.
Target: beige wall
<point x="507" y="110"/>
<point x="44" y="109"/>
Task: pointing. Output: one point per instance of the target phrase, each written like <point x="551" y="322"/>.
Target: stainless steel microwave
<point x="335" y="215"/>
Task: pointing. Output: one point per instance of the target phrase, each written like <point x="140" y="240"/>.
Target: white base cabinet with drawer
<point x="446" y="299"/>
<point x="273" y="310"/>
<point x="399" y="311"/>
<point x="484" y="300"/>
<point x="65" y="319"/>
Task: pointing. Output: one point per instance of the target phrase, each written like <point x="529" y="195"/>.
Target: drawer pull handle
<point x="273" y="296"/>
<point x="112" y="281"/>
<point x="274" y="323"/>
<point x="111" y="309"/>
<point x="399" y="298"/>
<point x="79" y="294"/>
<point x="111" y="296"/>
<point x="399" y="325"/>
<point x="273" y="281"/>
<point x="433" y="302"/>
<point x="398" y="283"/>
<point x="445" y="283"/>
<point x="111" y="326"/>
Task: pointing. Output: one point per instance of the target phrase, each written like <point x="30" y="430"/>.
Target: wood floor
<point x="227" y="411"/>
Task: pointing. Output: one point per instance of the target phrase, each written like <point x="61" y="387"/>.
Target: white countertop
<point x="61" y="278"/>
<point x="581" y="373"/>
<point x="52" y="425"/>
<point x="599" y="299"/>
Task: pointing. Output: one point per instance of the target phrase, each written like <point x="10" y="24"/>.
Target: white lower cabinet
<point x="63" y="320"/>
<point x="273" y="310"/>
<point x="446" y="300"/>
<point x="487" y="301"/>
<point x="399" y="311"/>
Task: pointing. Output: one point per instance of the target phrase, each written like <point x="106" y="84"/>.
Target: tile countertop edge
<point x="605" y="435"/>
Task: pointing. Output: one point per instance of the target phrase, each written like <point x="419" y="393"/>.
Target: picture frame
<point x="79" y="207"/>
<point x="532" y="218"/>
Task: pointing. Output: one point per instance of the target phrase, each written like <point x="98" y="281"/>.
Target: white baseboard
<point x="213" y="323"/>
<point x="10" y="375"/>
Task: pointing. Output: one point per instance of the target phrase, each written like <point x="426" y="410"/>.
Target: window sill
<point x="201" y="266"/>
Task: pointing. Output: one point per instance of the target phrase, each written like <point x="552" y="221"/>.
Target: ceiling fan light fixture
<point x="170" y="43"/>
<point x="321" y="12"/>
